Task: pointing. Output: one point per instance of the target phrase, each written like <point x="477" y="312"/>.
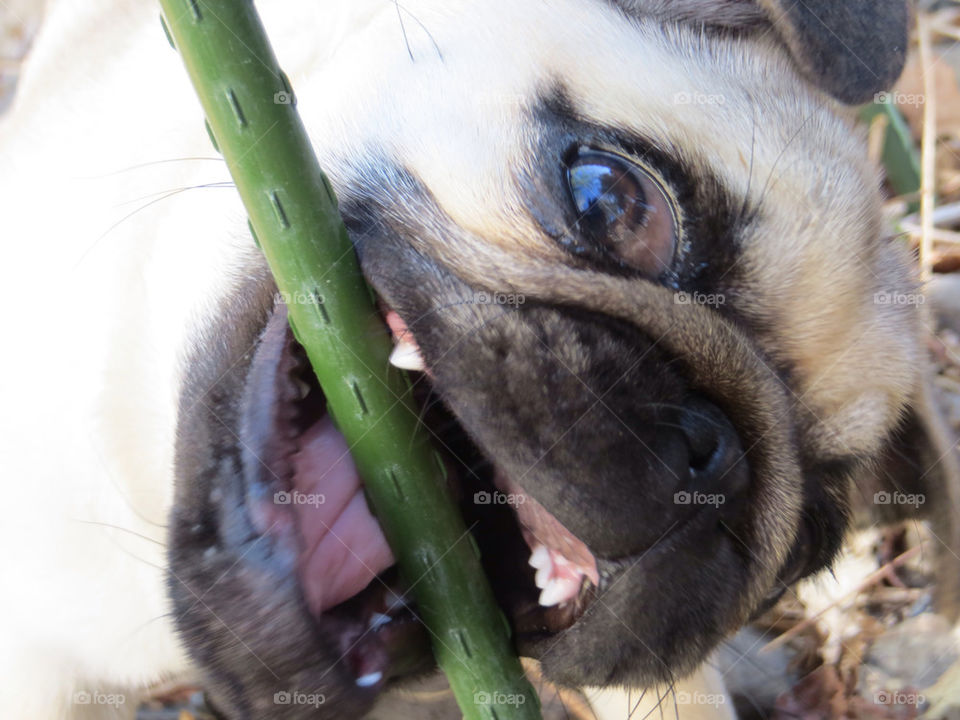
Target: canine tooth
<point x="378" y="619"/>
<point x="302" y="388"/>
<point x="542" y="578"/>
<point x="369" y="679"/>
<point x="542" y="560"/>
<point x="406" y="356"/>
<point x="540" y="557"/>
<point x="558" y="591"/>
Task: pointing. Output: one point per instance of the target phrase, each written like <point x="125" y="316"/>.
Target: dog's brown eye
<point x="622" y="211"/>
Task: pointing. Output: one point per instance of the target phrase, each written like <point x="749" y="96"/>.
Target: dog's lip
<point x="340" y="550"/>
<point x="566" y="570"/>
<point x="565" y="566"/>
<point x="302" y="486"/>
<point x="303" y="494"/>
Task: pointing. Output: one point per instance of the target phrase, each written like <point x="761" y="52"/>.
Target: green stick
<point x="293" y="213"/>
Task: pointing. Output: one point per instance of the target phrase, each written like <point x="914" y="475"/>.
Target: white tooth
<point x="543" y="576"/>
<point x="406" y="356"/>
<point x="558" y="591"/>
<point x="540" y="557"/>
<point x="378" y="619"/>
<point x="369" y="679"/>
<point x="302" y="388"/>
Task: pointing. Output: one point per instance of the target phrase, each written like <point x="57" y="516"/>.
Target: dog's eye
<point x="622" y="211"/>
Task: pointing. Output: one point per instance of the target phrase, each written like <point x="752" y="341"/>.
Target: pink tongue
<point x="342" y="546"/>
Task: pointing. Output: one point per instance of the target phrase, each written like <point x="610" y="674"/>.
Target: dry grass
<point x="866" y="642"/>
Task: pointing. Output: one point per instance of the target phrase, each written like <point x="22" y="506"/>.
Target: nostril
<point x="705" y="447"/>
<point x="714" y="447"/>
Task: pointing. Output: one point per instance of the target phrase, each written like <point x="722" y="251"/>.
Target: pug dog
<point x="631" y="251"/>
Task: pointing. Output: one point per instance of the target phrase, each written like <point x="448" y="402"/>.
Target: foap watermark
<point x="683" y="497"/>
<point x="899" y="498"/>
<point x="698" y="98"/>
<point x="699" y="298"/>
<point x="295" y="697"/>
<point x="283" y="97"/>
<point x="898" y="298"/>
<point x="900" y="98"/>
<point x="482" y="497"/>
<point x="900" y="697"/>
<point x="300" y="298"/>
<point x="499" y="698"/>
<point x="86" y="697"/>
<point x="498" y="298"/>
<point x="295" y="497"/>
<point x="685" y="697"/>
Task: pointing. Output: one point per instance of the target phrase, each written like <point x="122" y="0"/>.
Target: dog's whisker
<point x="175" y="191"/>
<point x="634" y="706"/>
<point x="783" y="151"/>
<point x="131" y="214"/>
<point x="133" y="533"/>
<point x="153" y="163"/>
<point x="744" y="207"/>
<point x="400" y="10"/>
<point x="146" y="624"/>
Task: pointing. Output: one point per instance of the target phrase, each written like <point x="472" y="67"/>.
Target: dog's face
<point x="638" y="251"/>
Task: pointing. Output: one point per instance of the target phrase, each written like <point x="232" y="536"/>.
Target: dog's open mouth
<point x="304" y="493"/>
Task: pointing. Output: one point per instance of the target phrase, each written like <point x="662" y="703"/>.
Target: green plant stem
<point x="293" y="213"/>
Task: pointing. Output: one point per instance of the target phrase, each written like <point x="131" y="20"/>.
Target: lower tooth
<point x="302" y="388"/>
<point x="558" y="591"/>
<point x="540" y="557"/>
<point x="543" y="576"/>
<point x="406" y="356"/>
<point x="369" y="679"/>
<point x="378" y="619"/>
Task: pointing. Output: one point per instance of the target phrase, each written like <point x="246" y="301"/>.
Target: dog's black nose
<point x="716" y="462"/>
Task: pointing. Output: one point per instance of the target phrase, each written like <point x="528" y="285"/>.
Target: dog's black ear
<point x="851" y="49"/>
<point x="918" y="476"/>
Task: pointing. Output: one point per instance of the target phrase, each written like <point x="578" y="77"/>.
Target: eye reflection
<point x="622" y="211"/>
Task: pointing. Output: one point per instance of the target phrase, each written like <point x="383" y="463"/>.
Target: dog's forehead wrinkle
<point x="495" y="220"/>
<point x="499" y="239"/>
<point x="678" y="68"/>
